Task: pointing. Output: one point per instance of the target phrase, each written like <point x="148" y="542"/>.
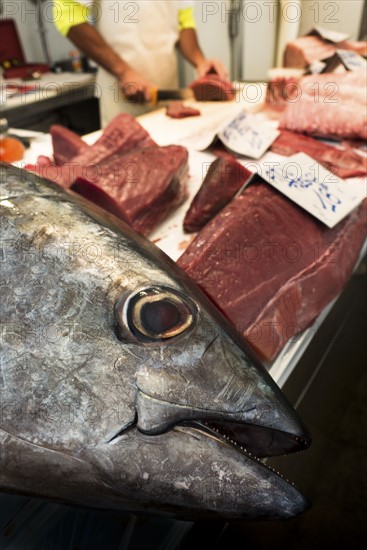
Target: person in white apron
<point x="134" y="45"/>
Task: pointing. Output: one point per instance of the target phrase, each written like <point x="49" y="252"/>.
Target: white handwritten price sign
<point x="352" y="60"/>
<point x="327" y="34"/>
<point x="246" y="136"/>
<point x="314" y="188"/>
<point x="203" y="137"/>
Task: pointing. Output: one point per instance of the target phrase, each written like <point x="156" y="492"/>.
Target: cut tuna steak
<point x="176" y="109"/>
<point x="121" y="135"/>
<point x="271" y="267"/>
<point x="141" y="187"/>
<point x="224" y="178"/>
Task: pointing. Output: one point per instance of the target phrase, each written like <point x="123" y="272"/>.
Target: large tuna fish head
<point x="121" y="385"/>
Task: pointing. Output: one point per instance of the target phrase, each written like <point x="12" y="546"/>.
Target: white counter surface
<point x="16" y="93"/>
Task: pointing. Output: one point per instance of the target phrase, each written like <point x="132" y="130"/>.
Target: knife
<point x="158" y="94"/>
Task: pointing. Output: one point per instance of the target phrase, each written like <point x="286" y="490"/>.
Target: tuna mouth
<point x="222" y="433"/>
<point x="234" y="481"/>
<point x="260" y="433"/>
<point x="253" y="440"/>
<point x="258" y="441"/>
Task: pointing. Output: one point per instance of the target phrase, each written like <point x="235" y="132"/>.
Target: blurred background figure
<point x="134" y="45"/>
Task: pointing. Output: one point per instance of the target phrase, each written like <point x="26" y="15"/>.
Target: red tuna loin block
<point x="121" y="135"/>
<point x="212" y="87"/>
<point x="177" y="109"/>
<point x="302" y="51"/>
<point x="282" y="88"/>
<point x="142" y="187"/>
<point x="344" y="163"/>
<point x="66" y="144"/>
<point x="335" y="121"/>
<point x="224" y="178"/>
<point x="329" y="105"/>
<point x="271" y="267"/>
<point x="219" y="150"/>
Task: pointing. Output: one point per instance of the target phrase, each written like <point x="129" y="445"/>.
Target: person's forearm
<point x="88" y="40"/>
<point x="189" y="47"/>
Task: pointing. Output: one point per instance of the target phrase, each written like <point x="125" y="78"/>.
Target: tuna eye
<point x="159" y="317"/>
<point x="156" y="314"/>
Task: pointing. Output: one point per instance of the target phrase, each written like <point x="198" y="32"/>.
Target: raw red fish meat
<point x="121" y="135"/>
<point x="282" y="88"/>
<point x="344" y="163"/>
<point x="304" y="50"/>
<point x="224" y="178"/>
<point x="141" y="187"/>
<point x="219" y="150"/>
<point x="124" y="172"/>
<point x="176" y="109"/>
<point x="329" y="105"/>
<point x="65" y="144"/>
<point x="212" y="87"/>
<point x="271" y="267"/>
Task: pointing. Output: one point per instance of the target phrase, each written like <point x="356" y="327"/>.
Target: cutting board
<point x="214" y="114"/>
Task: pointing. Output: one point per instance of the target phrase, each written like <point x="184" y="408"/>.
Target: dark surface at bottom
<point x="332" y="473"/>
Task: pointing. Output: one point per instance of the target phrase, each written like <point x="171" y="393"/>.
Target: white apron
<point x="144" y="34"/>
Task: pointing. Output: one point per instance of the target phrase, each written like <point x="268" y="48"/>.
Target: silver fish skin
<point x="121" y="385"/>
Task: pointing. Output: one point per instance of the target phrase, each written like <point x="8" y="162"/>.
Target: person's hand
<point x="211" y="66"/>
<point x="135" y="87"/>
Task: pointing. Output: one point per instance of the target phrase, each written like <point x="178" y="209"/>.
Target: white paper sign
<point x="352" y="60"/>
<point x="316" y="67"/>
<point x="314" y="188"/>
<point x="247" y="136"/>
<point x="206" y="128"/>
<point x="202" y="138"/>
<point x="327" y="34"/>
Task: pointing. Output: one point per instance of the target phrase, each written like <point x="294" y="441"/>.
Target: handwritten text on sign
<point x="351" y="60"/>
<point x="314" y="188"/>
<point x="245" y="135"/>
